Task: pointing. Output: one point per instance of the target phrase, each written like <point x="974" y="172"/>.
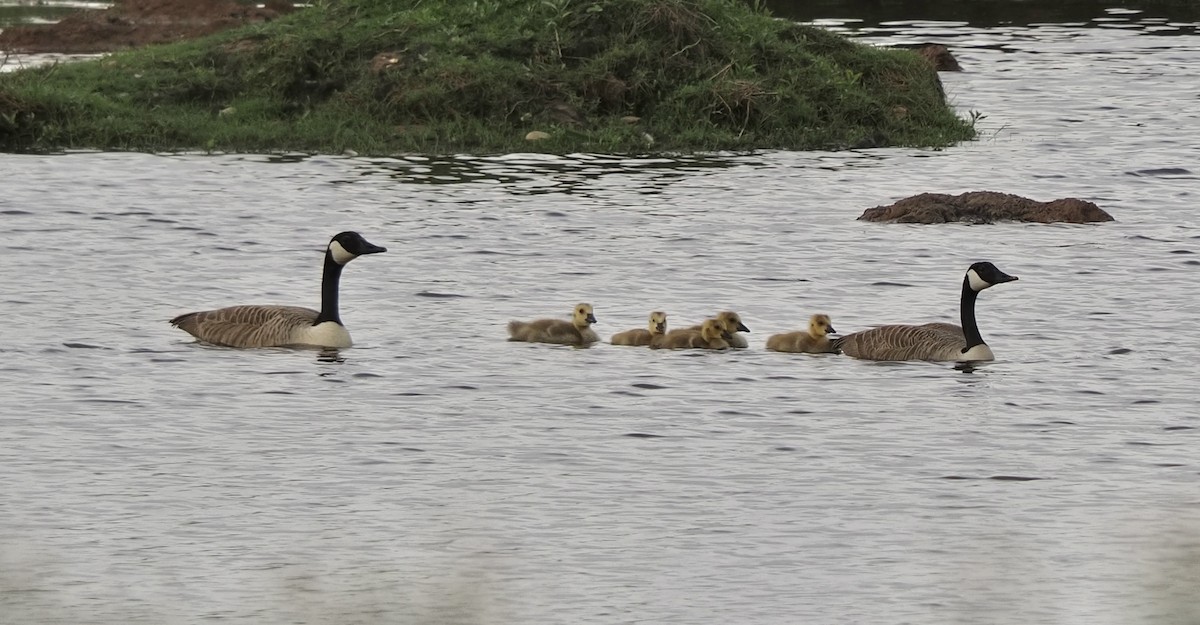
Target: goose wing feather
<point x="932" y="341"/>
<point x="247" y="326"/>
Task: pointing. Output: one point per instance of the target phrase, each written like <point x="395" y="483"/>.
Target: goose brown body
<point x="930" y="341"/>
<point x="252" y="326"/>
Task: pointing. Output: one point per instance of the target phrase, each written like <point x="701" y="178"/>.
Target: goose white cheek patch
<point x="340" y="255"/>
<point x="977" y="283"/>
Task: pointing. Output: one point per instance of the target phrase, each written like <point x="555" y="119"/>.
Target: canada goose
<point x="811" y="341"/>
<point x="278" y="326"/>
<point x="732" y="324"/>
<point x="639" y="337"/>
<point x="932" y="341"/>
<point x="574" y="332"/>
<point x="711" y="335"/>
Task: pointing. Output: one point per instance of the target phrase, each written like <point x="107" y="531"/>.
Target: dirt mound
<point x="984" y="207"/>
<point x="134" y="23"/>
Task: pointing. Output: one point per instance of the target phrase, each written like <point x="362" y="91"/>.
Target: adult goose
<point x="931" y="341"/>
<point x="285" y="326"/>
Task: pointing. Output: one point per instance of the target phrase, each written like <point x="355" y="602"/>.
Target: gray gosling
<point x="639" y="337"/>
<point x="811" y="341"/>
<point x="711" y="335"/>
<point x="939" y="342"/>
<point x="285" y="326"/>
<point x="577" y="331"/>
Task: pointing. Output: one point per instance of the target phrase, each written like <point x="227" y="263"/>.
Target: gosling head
<point x="985" y="275"/>
<point x="820" y="325"/>
<point x="583" y="316"/>
<point x="346" y="246"/>
<point x="658" y="322"/>
<point x="713" y="329"/>
<point x="732" y="322"/>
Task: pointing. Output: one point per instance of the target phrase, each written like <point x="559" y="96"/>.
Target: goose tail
<point x="183" y="319"/>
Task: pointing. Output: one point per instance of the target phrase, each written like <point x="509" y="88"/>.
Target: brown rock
<point x="983" y="207"/>
<point x="939" y="56"/>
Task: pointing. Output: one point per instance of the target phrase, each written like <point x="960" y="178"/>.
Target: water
<point x="41" y="11"/>
<point x="436" y="473"/>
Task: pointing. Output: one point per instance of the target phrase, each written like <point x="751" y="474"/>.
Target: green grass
<point x="403" y="76"/>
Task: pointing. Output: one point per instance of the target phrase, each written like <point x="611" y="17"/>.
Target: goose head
<point x="732" y="322"/>
<point x="820" y="325"/>
<point x="583" y="316"/>
<point x="984" y="275"/>
<point x="658" y="322"/>
<point x="346" y="246"/>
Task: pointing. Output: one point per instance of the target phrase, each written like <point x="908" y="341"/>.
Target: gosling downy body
<point x="811" y="341"/>
<point x="641" y="337"/>
<point x="711" y="335"/>
<point x="285" y="326"/>
<point x="577" y="331"/>
<point x="731" y="323"/>
<point x="932" y="341"/>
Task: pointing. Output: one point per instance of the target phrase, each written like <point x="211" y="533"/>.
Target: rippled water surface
<point x="436" y="473"/>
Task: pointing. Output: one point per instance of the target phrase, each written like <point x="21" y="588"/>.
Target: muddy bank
<point x="135" y="23"/>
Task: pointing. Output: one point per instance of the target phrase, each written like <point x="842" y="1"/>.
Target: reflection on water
<point x="438" y="473"/>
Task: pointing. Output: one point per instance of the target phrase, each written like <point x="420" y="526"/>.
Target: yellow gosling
<point x="811" y="341"/>
<point x="577" y="331"/>
<point x="641" y="337"/>
<point x="709" y="336"/>
<point x="731" y="322"/>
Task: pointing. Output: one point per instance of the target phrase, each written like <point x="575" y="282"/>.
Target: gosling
<point x="710" y="336"/>
<point x="731" y="322"/>
<point x="577" y="332"/>
<point x="641" y="337"/>
<point x="812" y="341"/>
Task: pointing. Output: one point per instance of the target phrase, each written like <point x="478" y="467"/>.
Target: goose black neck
<point x="329" y="291"/>
<point x="967" y="310"/>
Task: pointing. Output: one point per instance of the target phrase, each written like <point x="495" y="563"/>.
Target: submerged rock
<point x="939" y="56"/>
<point x="983" y="207"/>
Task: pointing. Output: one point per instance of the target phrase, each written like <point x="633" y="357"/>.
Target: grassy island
<point x="403" y="76"/>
